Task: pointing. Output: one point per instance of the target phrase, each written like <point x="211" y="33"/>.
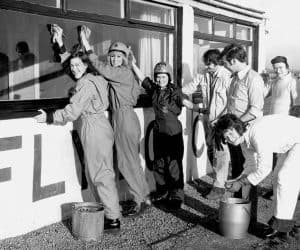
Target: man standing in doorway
<point x="214" y="84"/>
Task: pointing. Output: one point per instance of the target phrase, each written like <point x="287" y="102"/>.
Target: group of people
<point x="112" y="86"/>
<point x="236" y="131"/>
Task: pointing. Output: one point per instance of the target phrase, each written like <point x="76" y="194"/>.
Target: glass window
<point x="151" y="12"/>
<point x="200" y="47"/>
<point x="223" y="29"/>
<point x="113" y="8"/>
<point x="28" y="69"/>
<point x="203" y="24"/>
<point x="49" y="3"/>
<point x="244" y="32"/>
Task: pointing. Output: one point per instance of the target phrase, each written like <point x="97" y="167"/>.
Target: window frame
<point x="27" y="108"/>
<point x="234" y="21"/>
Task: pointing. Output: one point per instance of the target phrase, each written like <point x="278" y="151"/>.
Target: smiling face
<point x="115" y="58"/>
<point x="280" y="69"/>
<point x="232" y="136"/>
<point x="162" y="79"/>
<point x="78" y="67"/>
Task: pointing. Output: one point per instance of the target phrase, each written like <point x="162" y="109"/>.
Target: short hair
<point x="212" y="56"/>
<point x="280" y="59"/>
<point x="234" y="51"/>
<point x="230" y="121"/>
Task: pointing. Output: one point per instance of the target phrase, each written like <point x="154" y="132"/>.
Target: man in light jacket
<point x="214" y="85"/>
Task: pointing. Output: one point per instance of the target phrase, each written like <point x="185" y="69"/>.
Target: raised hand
<point x="84" y="36"/>
<point x="57" y="34"/>
<point x="131" y="57"/>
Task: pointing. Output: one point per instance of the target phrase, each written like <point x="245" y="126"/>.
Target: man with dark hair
<point x="245" y="99"/>
<point x="214" y="85"/>
<point x="272" y="133"/>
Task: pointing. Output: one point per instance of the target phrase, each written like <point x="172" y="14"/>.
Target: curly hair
<point x="234" y="51"/>
<point x="225" y="122"/>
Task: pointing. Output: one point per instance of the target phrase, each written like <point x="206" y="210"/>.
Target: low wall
<point x="40" y="172"/>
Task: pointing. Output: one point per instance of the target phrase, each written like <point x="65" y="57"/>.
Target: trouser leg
<point x="221" y="166"/>
<point x="127" y="139"/>
<point x="160" y="145"/>
<point x="175" y="180"/>
<point x="249" y="192"/>
<point x="287" y="185"/>
<point x="103" y="177"/>
<point x="237" y="162"/>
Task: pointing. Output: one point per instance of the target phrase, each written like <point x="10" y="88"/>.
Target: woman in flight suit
<point x="89" y="102"/>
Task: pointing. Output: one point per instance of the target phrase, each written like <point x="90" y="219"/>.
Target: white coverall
<point x="275" y="134"/>
<point x="89" y="103"/>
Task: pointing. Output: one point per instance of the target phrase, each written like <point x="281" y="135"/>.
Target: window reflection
<point x="49" y="3"/>
<point x="29" y="70"/>
<point x="151" y="12"/>
<point x="102" y="7"/>
<point x="244" y="32"/>
<point x="203" y="24"/>
<point x="223" y="29"/>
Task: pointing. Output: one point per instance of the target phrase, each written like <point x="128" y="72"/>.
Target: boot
<point x="112" y="225"/>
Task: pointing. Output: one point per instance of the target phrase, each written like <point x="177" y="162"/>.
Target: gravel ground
<point x="192" y="227"/>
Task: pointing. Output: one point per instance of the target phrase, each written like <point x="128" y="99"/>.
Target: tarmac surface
<point x="194" y="226"/>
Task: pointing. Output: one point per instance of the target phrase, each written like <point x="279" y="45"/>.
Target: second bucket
<point x="234" y="217"/>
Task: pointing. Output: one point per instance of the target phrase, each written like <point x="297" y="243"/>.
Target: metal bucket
<point x="234" y="217"/>
<point x="88" y="221"/>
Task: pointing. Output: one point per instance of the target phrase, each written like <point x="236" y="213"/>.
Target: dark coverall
<point x="167" y="138"/>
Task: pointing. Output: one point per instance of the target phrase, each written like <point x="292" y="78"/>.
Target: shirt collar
<point x="241" y="74"/>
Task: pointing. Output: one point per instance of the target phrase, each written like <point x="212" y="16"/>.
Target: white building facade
<point x="41" y="165"/>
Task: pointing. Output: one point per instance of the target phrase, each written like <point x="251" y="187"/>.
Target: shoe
<point x="158" y="197"/>
<point x="273" y="234"/>
<point x="173" y="204"/>
<point x="175" y="199"/>
<point x="112" y="225"/>
<point x="215" y="193"/>
<point x="148" y="201"/>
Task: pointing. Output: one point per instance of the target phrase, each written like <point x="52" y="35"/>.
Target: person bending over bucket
<point x="267" y="135"/>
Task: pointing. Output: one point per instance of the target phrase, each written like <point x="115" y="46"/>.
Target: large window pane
<point x="28" y="69"/>
<point x="244" y="32"/>
<point x="151" y="12"/>
<point x="49" y="3"/>
<point x="203" y="24"/>
<point x="102" y="7"/>
<point x="223" y="29"/>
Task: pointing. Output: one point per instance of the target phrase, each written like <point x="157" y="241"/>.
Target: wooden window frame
<point x="27" y="108"/>
<point x="235" y="21"/>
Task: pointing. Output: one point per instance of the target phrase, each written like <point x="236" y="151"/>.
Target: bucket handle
<point x="248" y="212"/>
